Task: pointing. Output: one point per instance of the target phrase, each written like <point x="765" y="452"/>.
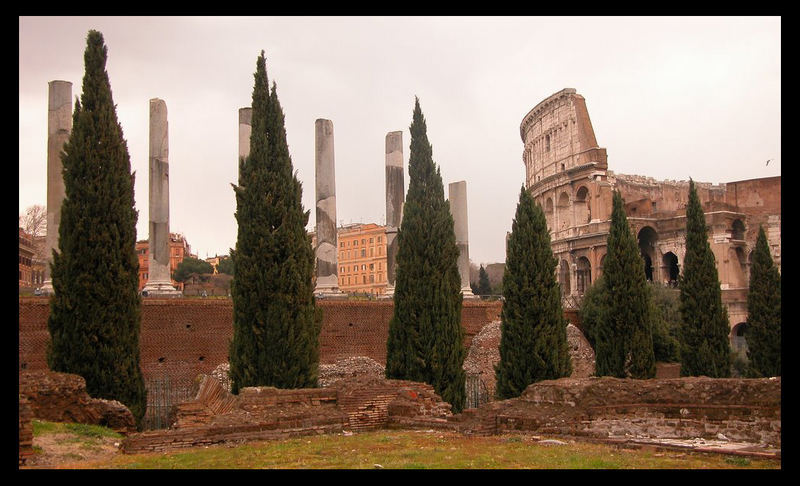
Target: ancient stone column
<point x="159" y="282"/>
<point x="458" y="208"/>
<point x="59" y="126"/>
<point x="325" y="251"/>
<point x="245" y="129"/>
<point x="395" y="195"/>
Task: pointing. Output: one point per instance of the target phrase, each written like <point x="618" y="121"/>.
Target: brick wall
<point x="181" y="338"/>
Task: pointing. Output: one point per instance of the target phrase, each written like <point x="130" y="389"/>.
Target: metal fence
<point x="477" y="394"/>
<point x="162" y="394"/>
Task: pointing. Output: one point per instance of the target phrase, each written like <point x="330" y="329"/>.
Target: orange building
<point x="178" y="249"/>
<point x="362" y="258"/>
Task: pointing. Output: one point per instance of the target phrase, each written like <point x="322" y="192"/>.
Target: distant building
<point x="213" y="261"/>
<point x="178" y="249"/>
<point x="26" y="254"/>
<point x="361" y="259"/>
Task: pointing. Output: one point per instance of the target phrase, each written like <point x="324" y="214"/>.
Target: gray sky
<point x="669" y="97"/>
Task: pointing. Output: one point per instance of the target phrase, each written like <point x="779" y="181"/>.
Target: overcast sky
<point x="669" y="97"/>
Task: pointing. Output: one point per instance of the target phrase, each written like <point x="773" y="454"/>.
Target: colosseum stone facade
<point x="567" y="174"/>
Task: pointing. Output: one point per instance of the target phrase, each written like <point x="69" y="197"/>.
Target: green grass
<point x="425" y="450"/>
<point x="78" y="430"/>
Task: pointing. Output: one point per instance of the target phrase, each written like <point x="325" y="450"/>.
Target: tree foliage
<point x="666" y="319"/>
<point x="189" y="266"/>
<point x="624" y="339"/>
<point x="533" y="343"/>
<point x="425" y="341"/>
<point x="484" y="288"/>
<point x="704" y="346"/>
<point x="225" y="265"/>
<point x="94" y="320"/>
<point x="764" y="312"/>
<point x="275" y="320"/>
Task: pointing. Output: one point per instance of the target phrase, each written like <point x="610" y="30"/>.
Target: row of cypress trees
<point x="95" y="313"/>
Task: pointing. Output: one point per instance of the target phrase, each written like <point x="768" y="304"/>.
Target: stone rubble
<point x="349" y="367"/>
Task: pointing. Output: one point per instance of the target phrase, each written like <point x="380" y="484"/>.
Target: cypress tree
<point x="95" y="315"/>
<point x="624" y="340"/>
<point x="275" y="321"/>
<point x="484" y="288"/>
<point x="425" y="341"/>
<point x="533" y="343"/>
<point x="705" y="350"/>
<point x="764" y="312"/>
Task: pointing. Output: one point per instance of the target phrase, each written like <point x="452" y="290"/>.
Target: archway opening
<point x="739" y="339"/>
<point x="563" y="278"/>
<point x="563" y="212"/>
<point x="582" y="211"/>
<point x="671" y="269"/>
<point x="548" y="213"/>
<point x="583" y="275"/>
<point x="737" y="230"/>
<point x="647" y="247"/>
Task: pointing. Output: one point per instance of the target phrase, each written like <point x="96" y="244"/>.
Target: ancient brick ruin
<point x="742" y="410"/>
<point x="62" y="397"/>
<point x="259" y="413"/>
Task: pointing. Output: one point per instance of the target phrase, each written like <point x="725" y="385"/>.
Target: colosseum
<point x="567" y="174"/>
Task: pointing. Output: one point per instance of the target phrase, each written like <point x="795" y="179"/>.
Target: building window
<point x="371" y="241"/>
<point x="363" y="279"/>
<point x="371" y="278"/>
<point x="372" y="266"/>
<point x="547" y="143"/>
<point x="363" y="266"/>
<point x="363" y="241"/>
<point x="380" y="250"/>
<point x="371" y="252"/>
<point x="363" y="252"/>
<point x="341" y="269"/>
<point x="379" y="239"/>
<point x="341" y="244"/>
<point x="355" y="268"/>
<point x="355" y="242"/>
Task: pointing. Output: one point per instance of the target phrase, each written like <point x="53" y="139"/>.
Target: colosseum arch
<point x="739" y="266"/>
<point x="563" y="277"/>
<point x="671" y="268"/>
<point x="583" y="212"/>
<point x="648" y="238"/>
<point x="583" y="275"/>
<point x="739" y="339"/>
<point x="562" y="212"/>
<point x="737" y="230"/>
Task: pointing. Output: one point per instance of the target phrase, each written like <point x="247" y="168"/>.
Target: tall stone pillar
<point x="159" y="282"/>
<point x="245" y="129"/>
<point x="458" y="208"/>
<point x="395" y="196"/>
<point x="59" y="126"/>
<point x="326" y="251"/>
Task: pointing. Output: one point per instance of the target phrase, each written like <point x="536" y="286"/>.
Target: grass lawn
<point x="390" y="449"/>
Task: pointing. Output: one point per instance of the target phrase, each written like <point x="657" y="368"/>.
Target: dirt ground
<point x="55" y="451"/>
